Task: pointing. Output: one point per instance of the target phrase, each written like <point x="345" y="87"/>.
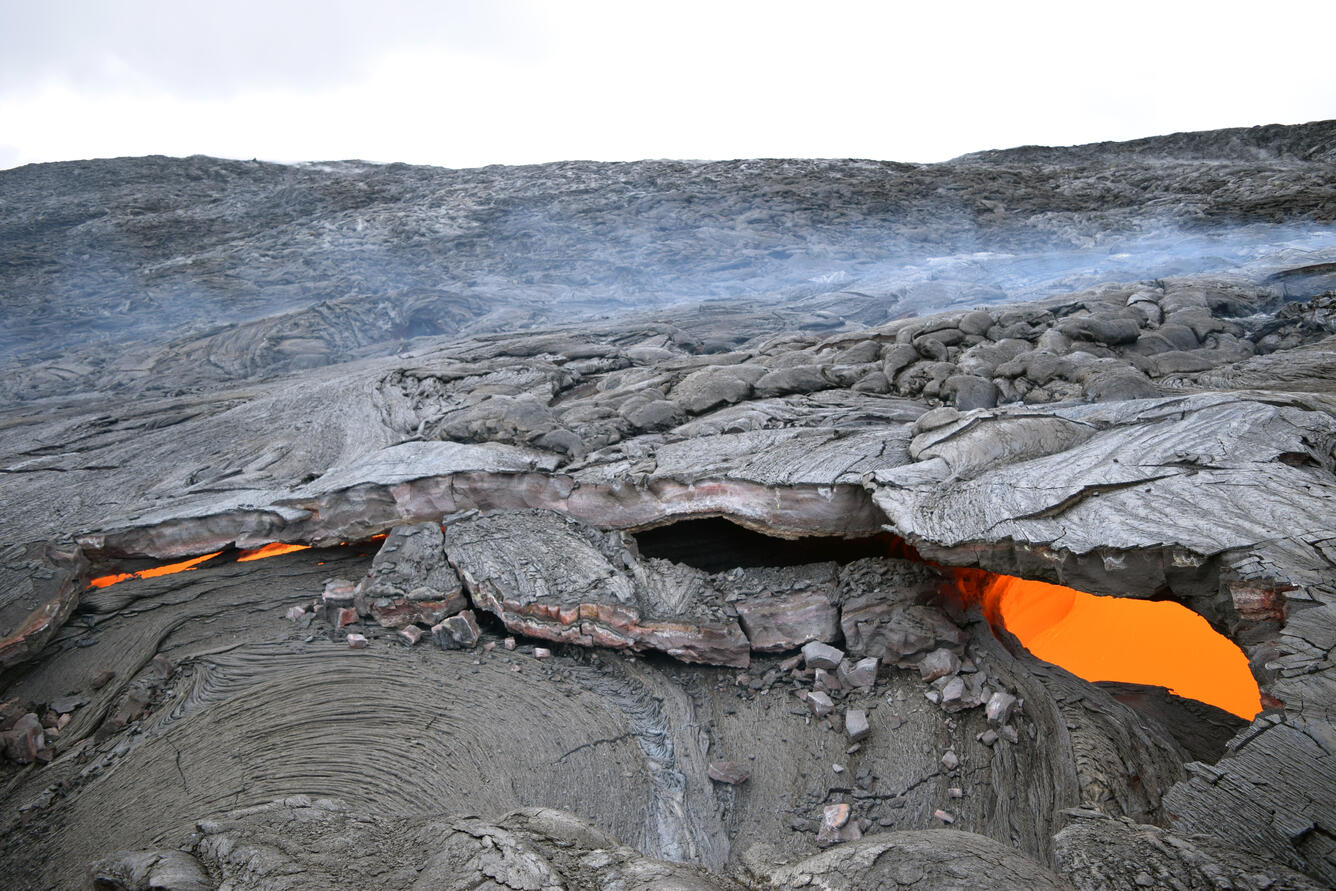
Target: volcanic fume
<point x="755" y="524"/>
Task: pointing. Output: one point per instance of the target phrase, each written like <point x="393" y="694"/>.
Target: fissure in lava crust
<point x="1097" y="638"/>
<point x="1105" y="638"/>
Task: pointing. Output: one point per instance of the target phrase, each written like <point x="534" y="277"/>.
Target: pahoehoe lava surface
<point x="598" y="462"/>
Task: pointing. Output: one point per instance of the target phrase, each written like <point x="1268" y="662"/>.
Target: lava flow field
<point x="738" y="525"/>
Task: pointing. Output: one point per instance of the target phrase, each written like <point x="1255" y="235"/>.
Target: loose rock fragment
<point x="950" y="760"/>
<point x="862" y="673"/>
<point x="999" y="708"/>
<point x="836" y="826"/>
<point x="26" y="741"/>
<point x="819" y="655"/>
<point x="775" y="624"/>
<point x="944" y="816"/>
<point x="835" y="815"/>
<point x="939" y="663"/>
<point x="729" y="772"/>
<point x="457" y="632"/>
<point x="855" y="724"/>
<point x="548" y="575"/>
<point x="411" y="634"/>
<point x="819" y="703"/>
<point x="400" y="612"/>
<point x="953" y="692"/>
<point x="824" y="680"/>
<point x="411" y="566"/>
<point x="357" y="641"/>
<point x="66" y="704"/>
<point x="338" y="593"/>
<point x="542" y="653"/>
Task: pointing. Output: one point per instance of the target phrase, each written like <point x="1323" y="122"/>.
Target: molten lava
<point x="1118" y="639"/>
<point x="273" y="549"/>
<point x="105" y="580"/>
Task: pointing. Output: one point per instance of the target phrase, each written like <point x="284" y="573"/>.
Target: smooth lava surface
<point x="1121" y="639"/>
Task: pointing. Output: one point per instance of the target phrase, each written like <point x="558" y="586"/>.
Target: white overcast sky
<point x="462" y="83"/>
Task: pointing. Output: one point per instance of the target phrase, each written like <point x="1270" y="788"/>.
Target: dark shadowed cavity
<point x="715" y="544"/>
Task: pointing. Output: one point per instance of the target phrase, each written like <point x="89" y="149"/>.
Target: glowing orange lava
<point x="1118" y="639"/>
<point x="273" y="549"/>
<point x="105" y="580"/>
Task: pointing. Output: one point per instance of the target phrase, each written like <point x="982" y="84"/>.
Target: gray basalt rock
<point x="969" y="391"/>
<point x="1096" y="852"/>
<point x="939" y="663"/>
<point x="855" y="724"/>
<point x="148" y="870"/>
<point x="819" y="702"/>
<point x="1111" y="332"/>
<point x="822" y="656"/>
<point x="885" y="615"/>
<point x="457" y="632"/>
<point x="862" y="673"/>
<point x="930" y="857"/>
<point x="717" y="385"/>
<point x="533" y="848"/>
<point x="729" y="772"/>
<point x="410" y="580"/>
<point x="794" y="379"/>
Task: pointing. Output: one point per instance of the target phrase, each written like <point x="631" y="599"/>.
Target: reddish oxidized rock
<point x="547" y="576"/>
<point x="730" y="772"/>
<point x="401" y="612"/>
<point x="773" y="624"/>
<point x="836" y="826"/>
<point x="56" y="576"/>
<point x="25" y="742"/>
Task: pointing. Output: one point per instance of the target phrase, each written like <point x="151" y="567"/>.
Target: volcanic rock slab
<point x="546" y="575"/>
